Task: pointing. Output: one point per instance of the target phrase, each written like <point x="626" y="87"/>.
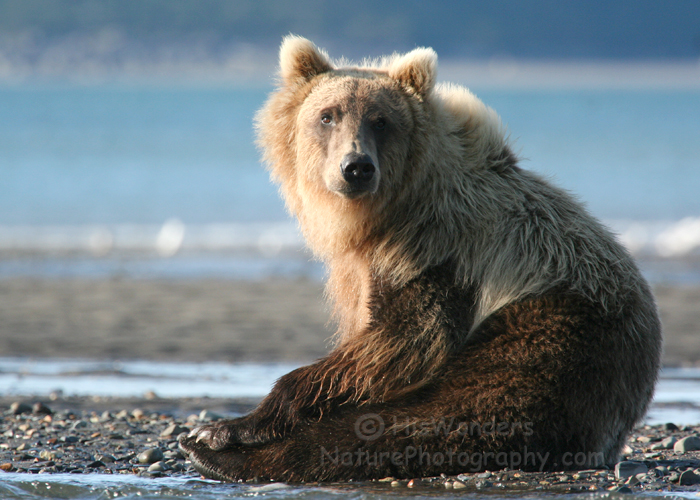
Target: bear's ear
<point x="416" y="70"/>
<point x="301" y="59"/>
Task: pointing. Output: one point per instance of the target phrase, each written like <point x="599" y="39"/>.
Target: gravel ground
<point x="78" y="435"/>
<point x="139" y="436"/>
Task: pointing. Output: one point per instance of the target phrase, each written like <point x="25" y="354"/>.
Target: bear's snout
<point x="360" y="172"/>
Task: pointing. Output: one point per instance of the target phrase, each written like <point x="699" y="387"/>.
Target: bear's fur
<point x="483" y="314"/>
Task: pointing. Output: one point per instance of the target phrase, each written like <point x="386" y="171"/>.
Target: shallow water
<point x="103" y="487"/>
<point x="677" y="396"/>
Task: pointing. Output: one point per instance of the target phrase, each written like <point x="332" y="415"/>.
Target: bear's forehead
<point x="354" y="88"/>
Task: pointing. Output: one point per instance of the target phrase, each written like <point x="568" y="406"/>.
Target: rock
<point x="627" y="469"/>
<point x="150" y="456"/>
<point x="689" y="478"/>
<point x="125" y="458"/>
<point x="157" y="467"/>
<point x="690" y="443"/>
<point x="482" y="483"/>
<point x="621" y="489"/>
<point x="458" y="485"/>
<point x="107" y="459"/>
<point x="41" y="409"/>
<point x="7" y="467"/>
<point x="414" y="483"/>
<point x="207" y="415"/>
<point x="96" y="464"/>
<point x="173" y="430"/>
<point x="17" y="408"/>
<point x="394" y="484"/>
<point x="669" y="442"/>
<point x="150" y="395"/>
<point x="175" y="454"/>
<point x="50" y="455"/>
<point x="671" y="427"/>
<point x="632" y="481"/>
<point x="627" y="450"/>
<point x="79" y="424"/>
<point x="665" y="444"/>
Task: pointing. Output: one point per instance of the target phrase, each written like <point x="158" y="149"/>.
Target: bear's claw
<point x="209" y="463"/>
<point x="219" y="436"/>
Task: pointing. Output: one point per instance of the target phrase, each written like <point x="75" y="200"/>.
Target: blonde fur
<point x="509" y="232"/>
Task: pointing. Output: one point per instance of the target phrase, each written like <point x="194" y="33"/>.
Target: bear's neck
<point x="349" y="288"/>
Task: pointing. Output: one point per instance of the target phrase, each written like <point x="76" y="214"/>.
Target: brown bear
<point x="485" y="319"/>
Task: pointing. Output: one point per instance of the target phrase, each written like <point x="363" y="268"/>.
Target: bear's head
<point x="378" y="161"/>
<point x="338" y="140"/>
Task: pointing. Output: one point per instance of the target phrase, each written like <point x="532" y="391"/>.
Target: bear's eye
<point x="326" y="119"/>
<point x="380" y="124"/>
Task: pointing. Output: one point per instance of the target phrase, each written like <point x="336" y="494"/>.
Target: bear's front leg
<point x="300" y="395"/>
<point x="310" y="453"/>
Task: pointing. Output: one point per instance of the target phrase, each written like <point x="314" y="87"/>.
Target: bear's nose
<point x="357" y="168"/>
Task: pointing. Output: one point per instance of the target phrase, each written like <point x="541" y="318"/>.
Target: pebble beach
<point x="39" y="439"/>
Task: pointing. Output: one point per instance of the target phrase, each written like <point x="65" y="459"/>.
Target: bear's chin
<point x="350" y="192"/>
<point x="354" y="194"/>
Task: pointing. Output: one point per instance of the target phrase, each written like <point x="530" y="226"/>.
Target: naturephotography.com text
<point x="418" y="456"/>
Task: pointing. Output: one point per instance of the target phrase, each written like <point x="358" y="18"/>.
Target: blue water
<point x="137" y="155"/>
<point x="101" y="154"/>
<point x="103" y="487"/>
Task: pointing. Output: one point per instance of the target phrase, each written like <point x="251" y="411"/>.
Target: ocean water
<point x="170" y="177"/>
<point x="19" y="486"/>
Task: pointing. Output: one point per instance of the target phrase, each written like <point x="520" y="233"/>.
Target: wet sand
<point x="218" y="320"/>
<point x="165" y="320"/>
